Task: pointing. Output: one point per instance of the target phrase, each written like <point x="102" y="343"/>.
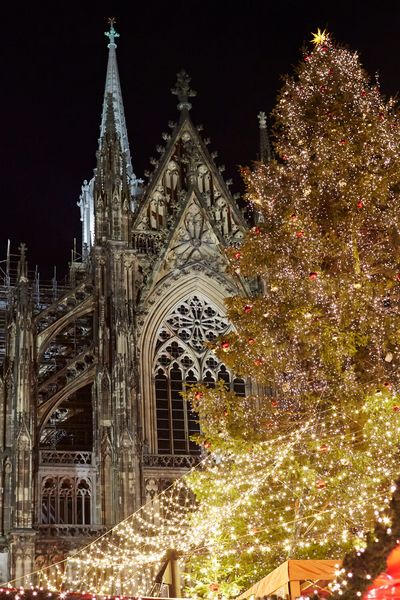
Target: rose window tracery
<point x="195" y="321"/>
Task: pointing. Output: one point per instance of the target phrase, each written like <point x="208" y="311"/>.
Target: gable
<point x="184" y="165"/>
<point x="193" y="239"/>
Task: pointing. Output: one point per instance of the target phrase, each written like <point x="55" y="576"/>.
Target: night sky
<point x="53" y="65"/>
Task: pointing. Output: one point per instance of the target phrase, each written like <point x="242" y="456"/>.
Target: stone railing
<point x="70" y="531"/>
<point x="184" y="461"/>
<point x="61" y="457"/>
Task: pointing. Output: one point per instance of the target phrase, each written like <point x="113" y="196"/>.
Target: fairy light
<point x="231" y="529"/>
<point x="324" y="336"/>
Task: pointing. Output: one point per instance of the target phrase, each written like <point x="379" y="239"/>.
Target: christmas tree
<point x="304" y="466"/>
<point x="374" y="569"/>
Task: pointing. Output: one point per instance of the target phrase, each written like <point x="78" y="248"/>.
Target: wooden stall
<point x="294" y="579"/>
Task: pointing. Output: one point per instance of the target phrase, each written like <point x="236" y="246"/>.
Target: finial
<point x="22" y="250"/>
<point x="112" y="34"/>
<point x="262" y="119"/>
<point x="183" y="91"/>
<point x="22" y="267"/>
<point x="265" y="146"/>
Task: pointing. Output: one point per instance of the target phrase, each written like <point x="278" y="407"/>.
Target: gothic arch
<point x="46" y="409"/>
<point x="165" y="326"/>
<point x="46" y="335"/>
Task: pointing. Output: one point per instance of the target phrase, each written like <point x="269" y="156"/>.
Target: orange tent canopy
<point x="292" y="577"/>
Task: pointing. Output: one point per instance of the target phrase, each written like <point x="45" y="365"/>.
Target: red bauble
<point x="299" y="234"/>
<point x="360" y="204"/>
<point x="256" y="230"/>
<point x="225" y="346"/>
<point x="207" y="444"/>
<point x="393" y="562"/>
<point x="251" y="341"/>
<point x="198" y="395"/>
<point x="274" y="403"/>
<point x="343" y="142"/>
<point x="363" y="93"/>
<point x="387" y="584"/>
<point x="323" y="448"/>
<point x="247" y="308"/>
<point x="214" y="587"/>
<point x="258" y="362"/>
<point x="320" y="484"/>
<point x="397" y="277"/>
<point x="313" y="275"/>
<point x="238" y="255"/>
<point x="396" y="408"/>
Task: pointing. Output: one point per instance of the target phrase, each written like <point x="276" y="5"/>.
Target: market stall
<point x="295" y="578"/>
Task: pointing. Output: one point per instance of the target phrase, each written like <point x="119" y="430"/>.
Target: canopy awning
<point x="293" y="577"/>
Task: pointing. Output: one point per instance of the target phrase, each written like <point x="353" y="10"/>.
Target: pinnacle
<point x="183" y="91"/>
<point x="111" y="34"/>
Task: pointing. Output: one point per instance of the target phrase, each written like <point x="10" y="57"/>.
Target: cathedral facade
<point x="92" y="421"/>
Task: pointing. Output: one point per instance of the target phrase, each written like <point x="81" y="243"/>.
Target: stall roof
<point x="292" y="570"/>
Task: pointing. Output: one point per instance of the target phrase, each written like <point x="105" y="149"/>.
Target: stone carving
<point x="195" y="321"/>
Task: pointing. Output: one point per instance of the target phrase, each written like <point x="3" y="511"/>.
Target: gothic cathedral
<point x="92" y="422"/>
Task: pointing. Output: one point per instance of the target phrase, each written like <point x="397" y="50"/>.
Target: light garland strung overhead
<point x="330" y="506"/>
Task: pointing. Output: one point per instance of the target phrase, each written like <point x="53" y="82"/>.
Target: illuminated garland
<point x="231" y="524"/>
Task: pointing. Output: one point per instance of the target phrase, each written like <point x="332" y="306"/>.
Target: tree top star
<point x="319" y="38"/>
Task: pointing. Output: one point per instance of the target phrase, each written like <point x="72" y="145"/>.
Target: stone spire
<point x="265" y="146"/>
<point x="183" y="91"/>
<point x="113" y="87"/>
<point x="111" y="185"/>
<point x="113" y="91"/>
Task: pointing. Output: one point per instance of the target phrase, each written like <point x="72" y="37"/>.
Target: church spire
<point x="111" y="185"/>
<point x="265" y="146"/>
<point x="113" y="91"/>
<point x="113" y="87"/>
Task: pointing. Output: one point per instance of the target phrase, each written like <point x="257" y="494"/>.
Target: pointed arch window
<point x="66" y="500"/>
<point x="181" y="360"/>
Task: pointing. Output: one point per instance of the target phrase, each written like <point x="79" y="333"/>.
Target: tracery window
<point x="181" y="360"/>
<point x="66" y="500"/>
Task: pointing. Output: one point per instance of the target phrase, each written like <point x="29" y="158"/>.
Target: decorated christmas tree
<point x="374" y="570"/>
<point x="305" y="463"/>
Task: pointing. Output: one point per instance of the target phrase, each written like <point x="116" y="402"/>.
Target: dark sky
<point x="53" y="65"/>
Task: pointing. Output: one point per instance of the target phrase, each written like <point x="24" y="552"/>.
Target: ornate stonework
<point x="92" y="420"/>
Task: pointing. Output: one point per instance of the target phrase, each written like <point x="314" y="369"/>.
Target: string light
<point x="236" y="523"/>
<point x="324" y="332"/>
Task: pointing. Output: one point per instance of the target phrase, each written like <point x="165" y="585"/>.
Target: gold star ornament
<point x="319" y="38"/>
